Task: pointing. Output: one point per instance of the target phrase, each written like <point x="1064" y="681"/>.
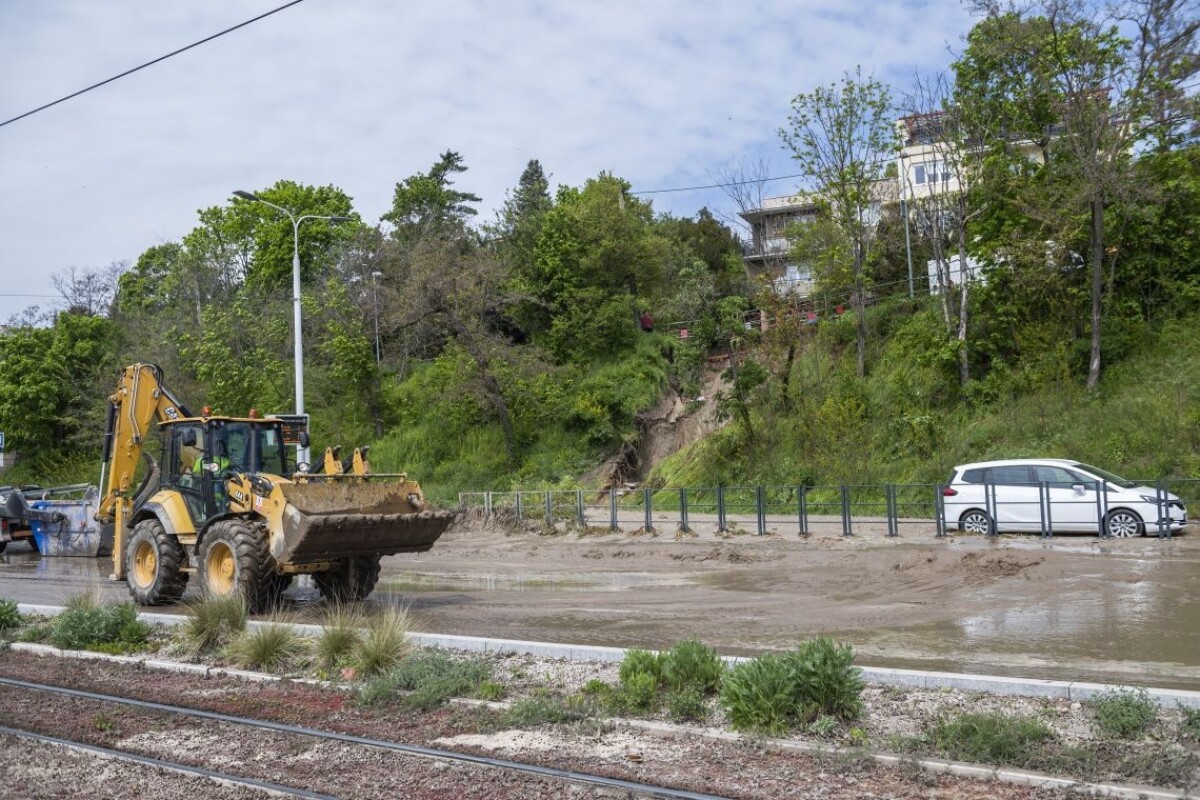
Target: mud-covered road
<point x="1069" y="608"/>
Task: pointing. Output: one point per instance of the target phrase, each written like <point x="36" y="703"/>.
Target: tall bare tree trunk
<point x="964" y="284"/>
<point x="1097" y="242"/>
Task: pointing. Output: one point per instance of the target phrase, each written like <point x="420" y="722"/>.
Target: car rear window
<point x="972" y="476"/>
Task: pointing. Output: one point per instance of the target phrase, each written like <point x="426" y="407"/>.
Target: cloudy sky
<point x="363" y="93"/>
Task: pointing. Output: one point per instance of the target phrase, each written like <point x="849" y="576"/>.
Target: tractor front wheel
<point x="235" y="562"/>
<point x="351" y="581"/>
<point x="154" y="565"/>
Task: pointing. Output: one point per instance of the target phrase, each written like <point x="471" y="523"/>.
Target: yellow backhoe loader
<point x="226" y="505"/>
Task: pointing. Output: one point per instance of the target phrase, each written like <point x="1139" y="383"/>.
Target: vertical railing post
<point x="519" y="509"/>
<point x="549" y="508"/>
<point x="760" y="509"/>
<point x="1164" y="520"/>
<point x="721" y="524"/>
<point x="802" y="508"/>
<point x="1100" y="526"/>
<point x="579" y="508"/>
<point x="893" y="520"/>
<point x="487" y="504"/>
<point x="989" y="504"/>
<point x="612" y="509"/>
<point x="939" y="509"/>
<point x="683" y="511"/>
<point x="1044" y="509"/>
<point x="846" y="527"/>
<point x="647" y="494"/>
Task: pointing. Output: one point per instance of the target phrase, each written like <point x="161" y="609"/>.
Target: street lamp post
<point x="375" y="276"/>
<point x="302" y="453"/>
<point x="904" y="213"/>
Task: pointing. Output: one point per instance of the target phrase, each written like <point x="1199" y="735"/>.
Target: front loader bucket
<point x="336" y="520"/>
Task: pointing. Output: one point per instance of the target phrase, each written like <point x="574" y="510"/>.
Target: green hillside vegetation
<point x="508" y="353"/>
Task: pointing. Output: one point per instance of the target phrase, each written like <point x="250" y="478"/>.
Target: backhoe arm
<point x="140" y="400"/>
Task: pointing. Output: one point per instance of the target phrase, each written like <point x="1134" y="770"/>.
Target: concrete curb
<point x="668" y="730"/>
<point x="1070" y="691"/>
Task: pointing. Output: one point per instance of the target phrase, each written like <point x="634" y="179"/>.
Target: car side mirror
<point x="1079" y="488"/>
<point x="188" y="439"/>
<point x="304" y="440"/>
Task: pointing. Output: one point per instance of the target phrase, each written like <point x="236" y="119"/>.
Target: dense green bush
<point x="10" y="616"/>
<point x="760" y="695"/>
<point x="111" y="628"/>
<point x="213" y="622"/>
<point x="429" y="676"/>
<point x="827" y="682"/>
<point x="641" y="662"/>
<point x="270" y="646"/>
<point x="690" y="664"/>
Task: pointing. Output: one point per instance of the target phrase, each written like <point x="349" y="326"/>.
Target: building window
<point x="919" y="174"/>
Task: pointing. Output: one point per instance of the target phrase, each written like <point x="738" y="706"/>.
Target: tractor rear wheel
<point x="154" y="565"/>
<point x="351" y="581"/>
<point x="234" y="562"/>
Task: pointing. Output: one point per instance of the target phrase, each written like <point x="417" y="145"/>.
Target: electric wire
<point x="419" y="751"/>
<point x="149" y="63"/>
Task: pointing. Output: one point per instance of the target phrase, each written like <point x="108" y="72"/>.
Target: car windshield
<point x="1108" y="476"/>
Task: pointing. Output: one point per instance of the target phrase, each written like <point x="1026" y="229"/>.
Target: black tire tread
<point x="171" y="581"/>
<point x="255" y="580"/>
<point x="352" y="581"/>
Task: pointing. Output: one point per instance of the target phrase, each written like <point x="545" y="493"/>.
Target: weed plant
<point x="341" y="633"/>
<point x="10" y="616"/>
<point x="990" y="738"/>
<point x="431" y="676"/>
<point x="212" y="622"/>
<point x="383" y="645"/>
<point x="272" y="646"/>
<point x="1189" y="722"/>
<point x="108" y="628"/>
<point x="547" y="709"/>
<point x="1123" y="713"/>
<point x="686" y="704"/>
<point x="639" y="693"/>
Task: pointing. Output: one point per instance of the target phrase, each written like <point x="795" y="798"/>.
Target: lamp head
<point x="245" y="195"/>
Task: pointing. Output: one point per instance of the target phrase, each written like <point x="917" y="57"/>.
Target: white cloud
<point x="364" y="94"/>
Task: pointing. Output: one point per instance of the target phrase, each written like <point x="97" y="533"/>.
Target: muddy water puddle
<point x="533" y="582"/>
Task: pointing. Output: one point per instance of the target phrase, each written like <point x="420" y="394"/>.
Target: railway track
<point x="626" y="788"/>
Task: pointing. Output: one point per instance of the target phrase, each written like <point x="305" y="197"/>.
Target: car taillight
<point x="948" y="492"/>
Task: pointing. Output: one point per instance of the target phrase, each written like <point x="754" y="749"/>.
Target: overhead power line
<point x="149" y="63"/>
<point x="716" y="185"/>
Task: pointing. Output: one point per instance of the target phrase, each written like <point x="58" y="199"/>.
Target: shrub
<point x="639" y="692"/>
<point x="270" y="646"/>
<point x="691" y="664"/>
<point x="641" y="662"/>
<point x="1123" y="713"/>
<point x="490" y="690"/>
<point x="991" y="738"/>
<point x="213" y="622"/>
<point x="760" y="695"/>
<point x="596" y="688"/>
<point x="384" y="644"/>
<point x="827" y="682"/>
<point x="340" y="635"/>
<point x="115" y="628"/>
<point x="10" y="616"/>
<point x="686" y="703"/>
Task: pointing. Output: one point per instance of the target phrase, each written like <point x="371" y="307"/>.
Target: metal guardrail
<point x="843" y="508"/>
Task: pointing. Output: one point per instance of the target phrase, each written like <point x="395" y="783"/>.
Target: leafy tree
<point x="426" y="204"/>
<point x="842" y="136"/>
<point x="520" y="220"/>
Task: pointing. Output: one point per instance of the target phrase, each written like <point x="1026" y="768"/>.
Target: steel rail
<point x="419" y="751"/>
<point x="171" y="766"/>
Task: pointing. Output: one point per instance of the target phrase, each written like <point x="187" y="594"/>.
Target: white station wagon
<point x="1019" y="494"/>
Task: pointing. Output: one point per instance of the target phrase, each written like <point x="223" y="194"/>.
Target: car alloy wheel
<point x="1123" y="524"/>
<point x="975" y="522"/>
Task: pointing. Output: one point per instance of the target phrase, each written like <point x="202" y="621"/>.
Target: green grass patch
<point x="271" y="646"/>
<point x="547" y="709"/>
<point x="990" y="738"/>
<point x="10" y="615"/>
<point x="430" y="677"/>
<point x="383" y="645"/>
<point x="212" y="623"/>
<point x="341" y="633"/>
<point x="1123" y="713"/>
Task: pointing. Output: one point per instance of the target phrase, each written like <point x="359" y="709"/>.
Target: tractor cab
<point x="200" y="454"/>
